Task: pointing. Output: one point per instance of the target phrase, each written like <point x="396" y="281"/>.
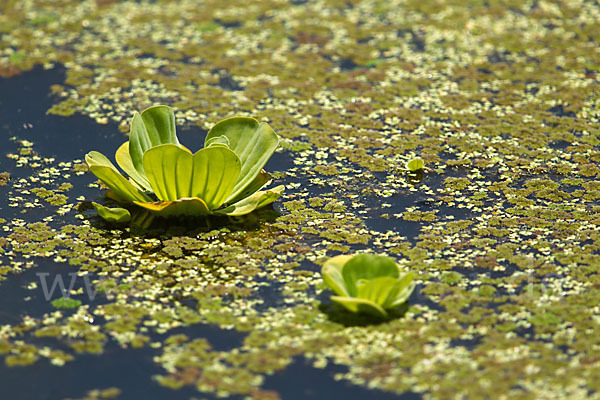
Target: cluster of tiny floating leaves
<point x="499" y="99"/>
<point x="4" y="177"/>
<point x="101" y="394"/>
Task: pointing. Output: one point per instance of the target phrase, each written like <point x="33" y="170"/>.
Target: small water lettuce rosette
<point x="367" y="283"/>
<point x="226" y="177"/>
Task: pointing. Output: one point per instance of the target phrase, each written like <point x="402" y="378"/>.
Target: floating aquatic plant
<point x="66" y="302"/>
<point x="224" y="178"/>
<point x="415" y="164"/>
<point x="4" y="178"/>
<point x="367" y="283"/>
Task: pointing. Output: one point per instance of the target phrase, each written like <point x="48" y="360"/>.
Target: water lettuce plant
<point x="367" y="283"/>
<point x="223" y="178"/>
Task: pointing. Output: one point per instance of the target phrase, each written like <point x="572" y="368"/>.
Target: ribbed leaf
<point x="360" y="305"/>
<point x="155" y="126"/>
<point x="186" y="206"/>
<point x="367" y="266"/>
<point x="101" y="166"/>
<point x="406" y="288"/>
<point x="116" y="214"/>
<point x="169" y="170"/>
<point x="332" y="274"/>
<point x="175" y="173"/>
<point x="270" y="196"/>
<point x="253" y="202"/>
<point x="381" y="291"/>
<point x="217" y="141"/>
<point x="252" y="142"/>
<point x="261" y="180"/>
<point x="126" y="163"/>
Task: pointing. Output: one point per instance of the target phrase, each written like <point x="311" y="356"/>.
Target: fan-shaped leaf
<point x="155" y="126"/>
<point x="253" y="202"/>
<point x="416" y="164"/>
<point x="116" y="214"/>
<point x="175" y="173"/>
<point x="406" y="288"/>
<point x="360" y="305"/>
<point x="101" y="166"/>
<point x="367" y="266"/>
<point x="332" y="274"/>
<point x="381" y="291"/>
<point x="124" y="161"/>
<point x="252" y="142"/>
<point x="261" y="180"/>
<point x="270" y="196"/>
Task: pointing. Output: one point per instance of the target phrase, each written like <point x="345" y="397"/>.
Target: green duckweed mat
<point x="501" y="100"/>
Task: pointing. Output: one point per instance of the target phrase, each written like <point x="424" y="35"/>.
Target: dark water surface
<point x="24" y="100"/>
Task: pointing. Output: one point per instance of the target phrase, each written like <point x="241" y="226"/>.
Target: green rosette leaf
<point x="101" y="166"/>
<point x="124" y="161"/>
<point x="332" y="274"/>
<point x="407" y="286"/>
<point x="367" y="283"/>
<point x="366" y="267"/>
<point x="254" y="202"/>
<point x="253" y="142"/>
<point x="357" y="305"/>
<point x="153" y="127"/>
<point x="175" y="173"/>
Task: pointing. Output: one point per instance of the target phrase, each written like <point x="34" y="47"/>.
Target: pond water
<point x="501" y="228"/>
<point x="130" y="370"/>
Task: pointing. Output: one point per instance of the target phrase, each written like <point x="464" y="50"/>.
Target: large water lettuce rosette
<point x="226" y="177"/>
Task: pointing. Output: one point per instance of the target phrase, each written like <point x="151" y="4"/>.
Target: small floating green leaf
<point x="66" y="302"/>
<point x="117" y="214"/>
<point x="416" y="164"/>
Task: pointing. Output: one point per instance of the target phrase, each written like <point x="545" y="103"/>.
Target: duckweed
<point x="499" y="100"/>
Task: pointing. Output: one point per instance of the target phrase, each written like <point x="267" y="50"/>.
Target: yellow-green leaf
<point x="185" y="206"/>
<point x="101" y="166"/>
<point x="360" y="305"/>
<point x="153" y="127"/>
<point x="175" y="173"/>
<point x="126" y="163"/>
<point x="407" y="286"/>
<point x="332" y="274"/>
<point x="116" y="214"/>
<point x="381" y="291"/>
<point x="416" y="164"/>
<point x="366" y="267"/>
<point x="253" y="202"/>
<point x="260" y="181"/>
<point x="251" y="141"/>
